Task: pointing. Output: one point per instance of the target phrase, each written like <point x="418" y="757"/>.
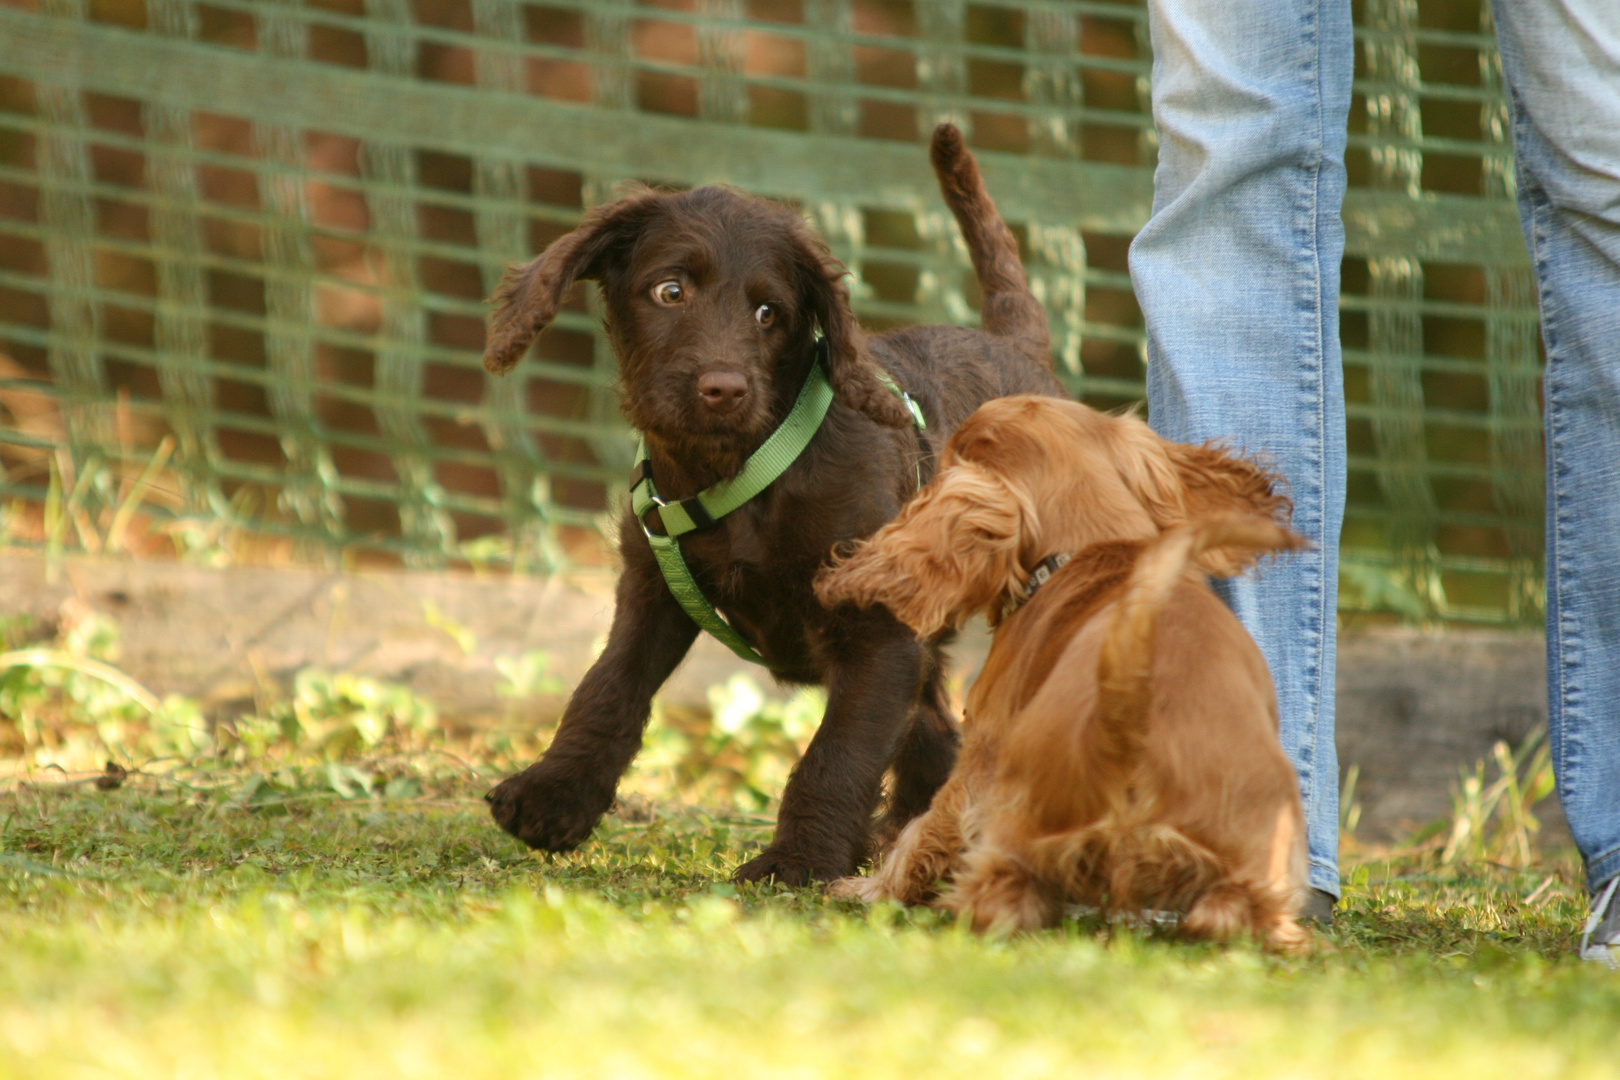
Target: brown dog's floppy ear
<point x="953" y="552"/>
<point x="529" y="295"/>
<point x="851" y="369"/>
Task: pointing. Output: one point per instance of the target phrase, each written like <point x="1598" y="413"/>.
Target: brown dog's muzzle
<point x="722" y="391"/>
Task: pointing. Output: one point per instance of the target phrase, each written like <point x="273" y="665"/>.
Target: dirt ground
<point x="1414" y="707"/>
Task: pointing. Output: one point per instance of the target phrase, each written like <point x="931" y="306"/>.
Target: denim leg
<point x="1561" y="59"/>
<point x="1237" y="273"/>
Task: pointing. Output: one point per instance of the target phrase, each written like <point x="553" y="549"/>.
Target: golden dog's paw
<point x="864" y="889"/>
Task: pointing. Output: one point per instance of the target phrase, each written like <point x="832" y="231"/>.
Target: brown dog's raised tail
<point x="1010" y="310"/>
<point x="1125" y="666"/>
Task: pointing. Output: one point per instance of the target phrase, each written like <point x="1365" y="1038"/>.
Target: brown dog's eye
<point x="764" y="314"/>
<point x="669" y="292"/>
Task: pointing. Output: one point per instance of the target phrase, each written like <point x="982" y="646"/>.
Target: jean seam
<point x="1320" y="353"/>
<point x="1533" y="214"/>
<point x="1563" y="637"/>
<point x="1306" y="753"/>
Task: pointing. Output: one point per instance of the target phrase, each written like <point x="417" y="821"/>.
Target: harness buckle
<point x="655" y="502"/>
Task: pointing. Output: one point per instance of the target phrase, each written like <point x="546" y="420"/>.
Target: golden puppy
<point x="1121" y="743"/>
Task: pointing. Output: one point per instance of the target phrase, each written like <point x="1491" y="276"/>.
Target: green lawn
<point x="157" y="931"/>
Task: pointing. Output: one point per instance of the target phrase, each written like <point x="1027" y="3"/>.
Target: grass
<point x="159" y="930"/>
<point x="316" y="890"/>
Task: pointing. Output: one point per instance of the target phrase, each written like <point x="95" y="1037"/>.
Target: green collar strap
<point x="707" y="507"/>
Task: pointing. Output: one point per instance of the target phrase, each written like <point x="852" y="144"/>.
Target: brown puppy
<point x="714" y="300"/>
<point x="1121" y="743"/>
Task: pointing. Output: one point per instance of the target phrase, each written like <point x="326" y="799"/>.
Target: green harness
<point x="705" y="509"/>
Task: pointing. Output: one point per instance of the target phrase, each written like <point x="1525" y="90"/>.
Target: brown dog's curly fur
<point x="1121" y="743"/>
<point x="713" y="302"/>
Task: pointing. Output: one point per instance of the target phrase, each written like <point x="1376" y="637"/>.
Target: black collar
<point x="1037" y="577"/>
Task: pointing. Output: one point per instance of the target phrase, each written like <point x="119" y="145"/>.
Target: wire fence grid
<point x="245" y="247"/>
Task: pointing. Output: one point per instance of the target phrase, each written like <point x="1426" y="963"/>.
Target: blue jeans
<point x="1561" y="60"/>
<point x="1237" y="274"/>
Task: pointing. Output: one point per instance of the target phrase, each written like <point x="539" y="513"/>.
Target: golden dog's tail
<point x="1125" y="667"/>
<point x="1009" y="310"/>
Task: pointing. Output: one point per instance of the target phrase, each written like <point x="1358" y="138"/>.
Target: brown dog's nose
<point x="722" y="390"/>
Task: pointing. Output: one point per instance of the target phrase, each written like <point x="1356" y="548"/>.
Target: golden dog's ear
<point x="529" y="295"/>
<point x="953" y="552"/>
<point x="1179" y="484"/>
<point x="1218" y="482"/>
<point x="1143" y="462"/>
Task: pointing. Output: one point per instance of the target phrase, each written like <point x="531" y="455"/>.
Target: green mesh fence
<point x="244" y="249"/>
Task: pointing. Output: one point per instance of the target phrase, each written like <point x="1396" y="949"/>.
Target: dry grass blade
<point x="132" y="499"/>
<point x="1496" y="821"/>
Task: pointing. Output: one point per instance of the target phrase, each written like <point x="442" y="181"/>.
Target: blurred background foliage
<point x="69" y="714"/>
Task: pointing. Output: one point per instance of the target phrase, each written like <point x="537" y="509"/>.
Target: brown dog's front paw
<point x="787" y="868"/>
<point x="546" y="812"/>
